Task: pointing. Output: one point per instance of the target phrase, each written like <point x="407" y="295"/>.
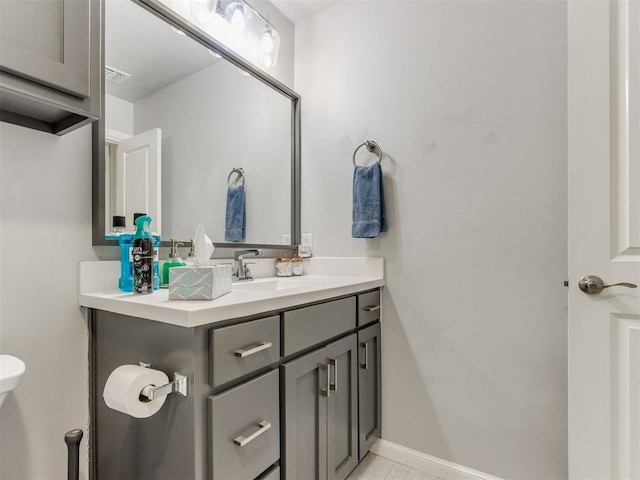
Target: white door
<point x="604" y="238"/>
<point x="138" y="177"/>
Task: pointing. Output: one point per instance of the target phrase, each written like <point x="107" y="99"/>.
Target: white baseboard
<point x="441" y="469"/>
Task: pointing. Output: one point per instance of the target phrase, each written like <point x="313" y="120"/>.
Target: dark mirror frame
<point x="98" y="133"/>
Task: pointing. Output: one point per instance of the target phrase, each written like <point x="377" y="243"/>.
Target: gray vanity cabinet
<point x="320" y="413"/>
<point x="291" y="394"/>
<point x="369" y="391"/>
<point x="51" y="72"/>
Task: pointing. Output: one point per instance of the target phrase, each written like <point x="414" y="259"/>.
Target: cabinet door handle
<point x="371" y="308"/>
<point x="242" y="441"/>
<point x="327" y="392"/>
<point x="333" y="362"/>
<point x="365" y="365"/>
<point x="251" y="351"/>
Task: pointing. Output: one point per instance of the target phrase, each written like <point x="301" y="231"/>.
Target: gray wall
<point x="468" y="100"/>
<point x="45" y="229"/>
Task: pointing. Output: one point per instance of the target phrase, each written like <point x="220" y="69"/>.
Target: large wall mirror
<point x="186" y="120"/>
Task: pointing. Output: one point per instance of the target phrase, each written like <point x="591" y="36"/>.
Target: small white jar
<point x="296" y="265"/>
<point x="284" y="267"/>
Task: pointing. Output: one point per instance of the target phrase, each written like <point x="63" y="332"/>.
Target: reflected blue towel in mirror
<point x="236" y="216"/>
<point x="369" y="216"/>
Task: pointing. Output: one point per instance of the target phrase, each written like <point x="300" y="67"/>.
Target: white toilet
<point x="11" y="371"/>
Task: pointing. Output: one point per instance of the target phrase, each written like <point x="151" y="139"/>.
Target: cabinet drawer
<point x="309" y="326"/>
<point x="244" y="429"/>
<point x="368" y="308"/>
<point x="241" y="349"/>
<point x="272" y="474"/>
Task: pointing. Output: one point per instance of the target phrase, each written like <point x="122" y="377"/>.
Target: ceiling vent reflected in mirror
<point x="235" y="24"/>
<point x="114" y="75"/>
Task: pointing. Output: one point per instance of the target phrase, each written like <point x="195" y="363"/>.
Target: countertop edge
<point x="211" y="314"/>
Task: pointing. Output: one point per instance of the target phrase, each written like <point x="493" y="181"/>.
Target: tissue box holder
<point x="199" y="283"/>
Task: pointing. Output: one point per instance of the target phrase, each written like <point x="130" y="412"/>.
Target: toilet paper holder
<point x="179" y="385"/>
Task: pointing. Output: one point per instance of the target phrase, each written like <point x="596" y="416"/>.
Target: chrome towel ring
<point x="239" y="172"/>
<point x="371" y="146"/>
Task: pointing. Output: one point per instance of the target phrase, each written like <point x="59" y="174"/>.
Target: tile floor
<point x="374" y="467"/>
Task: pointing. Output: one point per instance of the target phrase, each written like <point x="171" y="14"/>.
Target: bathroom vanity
<point x="283" y="380"/>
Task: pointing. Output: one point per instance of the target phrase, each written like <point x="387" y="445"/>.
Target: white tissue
<point x="203" y="246"/>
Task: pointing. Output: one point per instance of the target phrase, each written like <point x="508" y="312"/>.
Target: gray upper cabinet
<point x="51" y="67"/>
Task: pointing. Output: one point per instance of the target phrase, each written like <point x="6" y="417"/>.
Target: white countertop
<point x="326" y="278"/>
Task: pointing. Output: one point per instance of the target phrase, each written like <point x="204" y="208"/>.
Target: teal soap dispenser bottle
<point x="143" y="256"/>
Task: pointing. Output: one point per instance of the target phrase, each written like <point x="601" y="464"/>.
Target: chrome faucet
<point x="241" y="270"/>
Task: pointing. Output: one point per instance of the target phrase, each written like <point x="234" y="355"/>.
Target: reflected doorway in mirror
<point x="134" y="178"/>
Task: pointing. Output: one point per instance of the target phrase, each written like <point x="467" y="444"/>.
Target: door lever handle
<point x="592" y="284"/>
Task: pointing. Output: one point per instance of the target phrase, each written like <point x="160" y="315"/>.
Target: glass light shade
<point x="238" y="15"/>
<point x="269" y="46"/>
<point x="202" y="10"/>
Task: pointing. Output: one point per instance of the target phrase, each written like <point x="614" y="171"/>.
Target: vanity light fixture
<point x="269" y="46"/>
<point x="234" y="23"/>
<point x="238" y="14"/>
<point x="261" y="43"/>
<point x="202" y="11"/>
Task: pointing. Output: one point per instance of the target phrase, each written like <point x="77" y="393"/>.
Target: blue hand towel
<point x="369" y="216"/>
<point x="236" y="216"/>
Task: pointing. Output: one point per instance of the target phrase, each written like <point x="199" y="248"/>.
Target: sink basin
<point x="269" y="284"/>
<point x="11" y="371"/>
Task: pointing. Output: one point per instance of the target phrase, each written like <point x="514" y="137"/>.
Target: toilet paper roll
<point x="123" y="387"/>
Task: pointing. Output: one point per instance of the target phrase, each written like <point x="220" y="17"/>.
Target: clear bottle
<point x="173" y="261"/>
<point x="143" y="256"/>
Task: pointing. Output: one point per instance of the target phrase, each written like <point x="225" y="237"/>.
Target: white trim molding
<point x="115" y="136"/>
<point x="426" y="463"/>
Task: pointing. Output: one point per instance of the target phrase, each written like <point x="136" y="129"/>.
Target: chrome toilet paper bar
<point x="179" y="385"/>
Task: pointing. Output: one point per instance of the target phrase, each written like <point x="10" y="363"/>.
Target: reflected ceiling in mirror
<point x="211" y="117"/>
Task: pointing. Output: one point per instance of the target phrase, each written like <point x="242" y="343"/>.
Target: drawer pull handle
<point x="333" y="362"/>
<point x="371" y="308"/>
<point x="251" y="351"/>
<point x="365" y="365"/>
<point x="242" y="441"/>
